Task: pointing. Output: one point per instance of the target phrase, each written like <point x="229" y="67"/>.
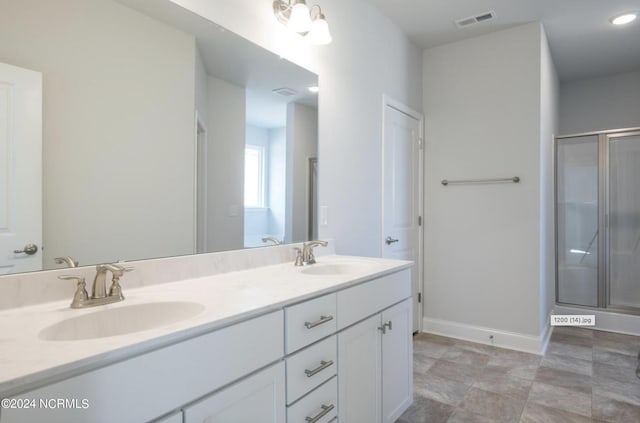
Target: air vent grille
<point x="474" y="20"/>
<point x="285" y="91"/>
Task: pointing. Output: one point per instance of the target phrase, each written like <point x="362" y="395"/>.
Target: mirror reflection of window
<point x="265" y="183"/>
<point x="254" y="177"/>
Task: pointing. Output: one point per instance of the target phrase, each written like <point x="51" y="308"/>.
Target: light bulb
<point x="624" y="19"/>
<point x="300" y="21"/>
<point x="319" y="33"/>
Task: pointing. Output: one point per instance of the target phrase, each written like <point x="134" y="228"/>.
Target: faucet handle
<point x="80" y="279"/>
<point x="116" y="290"/>
<point x="81" y="294"/>
<point x="299" y="261"/>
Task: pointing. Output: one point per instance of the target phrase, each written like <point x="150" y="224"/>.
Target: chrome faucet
<point x="99" y="294"/>
<point x="275" y="241"/>
<point x="70" y="262"/>
<point x="307" y="251"/>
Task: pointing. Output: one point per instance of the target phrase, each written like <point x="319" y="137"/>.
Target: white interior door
<point x="20" y="169"/>
<point x="402" y="161"/>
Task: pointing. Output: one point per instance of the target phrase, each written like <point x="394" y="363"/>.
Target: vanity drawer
<point x="309" y="321"/>
<point x="310" y="367"/>
<point x="366" y="299"/>
<point x="320" y="406"/>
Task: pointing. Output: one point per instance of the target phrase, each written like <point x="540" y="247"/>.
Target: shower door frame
<point x="603" y="282"/>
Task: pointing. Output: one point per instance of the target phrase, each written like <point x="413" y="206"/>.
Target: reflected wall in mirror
<point x="147" y="112"/>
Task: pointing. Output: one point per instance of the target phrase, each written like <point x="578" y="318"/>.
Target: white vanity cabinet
<point x="258" y="398"/>
<point x="375" y="377"/>
<point x="371" y="325"/>
<point x="344" y="355"/>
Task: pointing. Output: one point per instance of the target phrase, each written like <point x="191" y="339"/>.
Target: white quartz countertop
<point x="27" y="361"/>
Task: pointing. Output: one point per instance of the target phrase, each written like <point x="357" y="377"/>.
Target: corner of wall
<point x="549" y="99"/>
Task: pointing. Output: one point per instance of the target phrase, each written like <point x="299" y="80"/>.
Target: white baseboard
<point x="546" y="335"/>
<point x="606" y="320"/>
<point x="482" y="335"/>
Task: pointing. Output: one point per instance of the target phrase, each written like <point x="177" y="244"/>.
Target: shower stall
<point x="598" y="220"/>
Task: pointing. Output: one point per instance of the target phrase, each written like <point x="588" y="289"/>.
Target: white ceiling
<point x="583" y="42"/>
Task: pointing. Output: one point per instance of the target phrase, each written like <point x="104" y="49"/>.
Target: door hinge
<point x="419" y="220"/>
<point x="419" y="297"/>
<point x="420" y="143"/>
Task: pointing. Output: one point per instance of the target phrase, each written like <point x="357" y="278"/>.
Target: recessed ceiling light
<point x="624" y="19"/>
<point x="313" y="89"/>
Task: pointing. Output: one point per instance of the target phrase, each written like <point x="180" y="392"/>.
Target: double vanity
<point x="327" y="342"/>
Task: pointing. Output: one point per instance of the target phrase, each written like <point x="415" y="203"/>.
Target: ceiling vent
<point x="285" y="91"/>
<point x="474" y="20"/>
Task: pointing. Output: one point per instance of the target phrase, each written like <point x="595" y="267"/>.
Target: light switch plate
<point x="324" y="215"/>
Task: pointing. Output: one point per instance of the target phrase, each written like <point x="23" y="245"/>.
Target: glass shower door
<point x="577" y="220"/>
<point x="624" y="220"/>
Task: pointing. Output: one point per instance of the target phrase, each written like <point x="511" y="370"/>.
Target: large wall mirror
<point x="162" y="134"/>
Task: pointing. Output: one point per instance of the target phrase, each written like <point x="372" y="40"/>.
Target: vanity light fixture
<point x="299" y="18"/>
<point x="624" y="18"/>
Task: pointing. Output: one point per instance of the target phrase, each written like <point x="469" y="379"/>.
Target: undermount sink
<point x="321" y="269"/>
<point x="121" y="320"/>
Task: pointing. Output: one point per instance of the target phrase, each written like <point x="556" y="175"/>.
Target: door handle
<point x="29" y="249"/>
<point x="390" y="240"/>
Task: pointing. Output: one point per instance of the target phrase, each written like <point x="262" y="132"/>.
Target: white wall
<point x="483" y="105"/>
<point x="369" y="57"/>
<point x="97" y="139"/>
<point x="302" y="144"/>
<point x="549" y="103"/>
<point x="201" y="86"/>
<point x="226" y="142"/>
<point x="277" y="181"/>
<point x="596" y="104"/>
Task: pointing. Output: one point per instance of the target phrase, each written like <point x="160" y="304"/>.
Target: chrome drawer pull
<point x="323" y="319"/>
<point x="326" y="409"/>
<point x="323" y="365"/>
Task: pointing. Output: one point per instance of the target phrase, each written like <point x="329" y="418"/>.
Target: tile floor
<point x="585" y="376"/>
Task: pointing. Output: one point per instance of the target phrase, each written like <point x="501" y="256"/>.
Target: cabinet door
<point x="397" y="363"/>
<point x="359" y="372"/>
<point x="258" y="398"/>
